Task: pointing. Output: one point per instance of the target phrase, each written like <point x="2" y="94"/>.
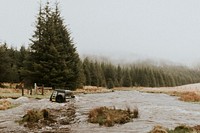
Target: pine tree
<point x="54" y="59"/>
<point x="94" y="74"/>
<point x="119" y="76"/>
<point x="86" y="69"/>
<point x="4" y="59"/>
<point x="110" y="75"/>
<point x="127" y="81"/>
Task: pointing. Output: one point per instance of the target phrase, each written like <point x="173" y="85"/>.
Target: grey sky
<point x="126" y="29"/>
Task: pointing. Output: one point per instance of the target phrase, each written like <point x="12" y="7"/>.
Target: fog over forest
<point x="121" y="30"/>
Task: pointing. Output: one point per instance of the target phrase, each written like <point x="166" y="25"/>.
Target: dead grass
<point x="128" y="88"/>
<point x="33" y="116"/>
<point x="110" y="116"/>
<point x="197" y="128"/>
<point x="182" y="129"/>
<point x="189" y="97"/>
<point x="92" y="89"/>
<point x="159" y="129"/>
<point x="178" y="129"/>
<point x="185" y="93"/>
<point x="16" y="93"/>
<point x="4" y="104"/>
<point x="37" y="119"/>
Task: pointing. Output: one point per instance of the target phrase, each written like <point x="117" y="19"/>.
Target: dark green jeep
<point x="60" y="95"/>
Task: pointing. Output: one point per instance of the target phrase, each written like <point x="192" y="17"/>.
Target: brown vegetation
<point x="92" y="89"/>
<point x="16" y="93"/>
<point x="178" y="129"/>
<point x="187" y="93"/>
<point x="37" y="119"/>
<point x="110" y="116"/>
<point x="189" y="97"/>
<point x="35" y="115"/>
<point x="4" y="104"/>
<point x="159" y="129"/>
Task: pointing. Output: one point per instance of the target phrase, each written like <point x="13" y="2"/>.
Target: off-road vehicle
<point x="60" y="95"/>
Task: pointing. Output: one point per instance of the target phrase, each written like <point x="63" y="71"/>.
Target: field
<point x="94" y="105"/>
<point x="188" y="93"/>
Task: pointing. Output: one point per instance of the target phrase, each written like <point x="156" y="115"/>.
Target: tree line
<point x="98" y="73"/>
<point x="52" y="60"/>
<point x="137" y="74"/>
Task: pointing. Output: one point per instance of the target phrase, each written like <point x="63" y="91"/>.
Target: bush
<point x="35" y="115"/>
<point x="110" y="116"/>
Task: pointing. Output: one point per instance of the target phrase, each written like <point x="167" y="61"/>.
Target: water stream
<point x="154" y="109"/>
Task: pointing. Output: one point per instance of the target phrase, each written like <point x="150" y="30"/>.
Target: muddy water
<point x="154" y="109"/>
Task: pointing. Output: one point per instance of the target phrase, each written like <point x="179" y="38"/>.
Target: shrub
<point x="35" y="115"/>
<point x="110" y="116"/>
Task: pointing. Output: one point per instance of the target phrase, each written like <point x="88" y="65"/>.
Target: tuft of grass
<point x="197" y="128"/>
<point x="4" y="104"/>
<point x="178" y="129"/>
<point x="159" y="129"/>
<point x="33" y="116"/>
<point x="189" y="97"/>
<point x="182" y="129"/>
<point x="110" y="116"/>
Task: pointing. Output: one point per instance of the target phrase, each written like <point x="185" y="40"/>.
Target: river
<point x="154" y="109"/>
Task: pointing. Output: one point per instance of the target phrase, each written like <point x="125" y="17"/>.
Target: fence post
<point x="35" y="88"/>
<point x="42" y="89"/>
<point x="30" y="91"/>
<point x="22" y="91"/>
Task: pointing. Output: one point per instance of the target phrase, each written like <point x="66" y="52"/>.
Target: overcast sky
<point x="125" y="29"/>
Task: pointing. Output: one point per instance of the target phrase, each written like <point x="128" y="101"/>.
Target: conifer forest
<point x="52" y="60"/>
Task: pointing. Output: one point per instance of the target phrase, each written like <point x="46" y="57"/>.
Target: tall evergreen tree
<point x="127" y="81"/>
<point x="55" y="61"/>
<point x="86" y="69"/>
<point x="119" y="76"/>
<point x="4" y="59"/>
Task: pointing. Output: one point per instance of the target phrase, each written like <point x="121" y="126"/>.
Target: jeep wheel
<point x="59" y="99"/>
